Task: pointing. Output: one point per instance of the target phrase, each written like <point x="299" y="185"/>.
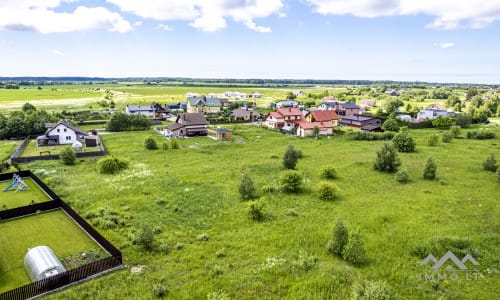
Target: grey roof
<point x="68" y="125"/>
<point x="357" y="118"/>
<point x="192" y="119"/>
<point x="174" y="127"/>
<point x="349" y="105"/>
<point x="140" y="108"/>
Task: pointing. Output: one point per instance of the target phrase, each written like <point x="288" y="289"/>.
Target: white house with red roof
<point x="283" y="118"/>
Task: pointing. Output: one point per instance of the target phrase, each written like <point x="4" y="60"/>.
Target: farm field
<point x="12" y="199"/>
<point x="205" y="241"/>
<point x="54" y="229"/>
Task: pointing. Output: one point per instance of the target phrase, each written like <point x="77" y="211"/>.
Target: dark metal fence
<point x="70" y="276"/>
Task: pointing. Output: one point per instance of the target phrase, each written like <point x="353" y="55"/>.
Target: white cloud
<point x="449" y="14"/>
<point x="57" y="52"/>
<point x="40" y="16"/>
<point x="446" y="45"/>
<point x="137" y="23"/>
<point x="205" y="15"/>
<point x="164" y="27"/>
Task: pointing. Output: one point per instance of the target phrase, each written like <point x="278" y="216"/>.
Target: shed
<point x="40" y="263"/>
<point x="91" y="141"/>
<point x="223" y="134"/>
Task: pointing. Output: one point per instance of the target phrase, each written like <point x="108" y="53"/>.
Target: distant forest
<point x="15" y="82"/>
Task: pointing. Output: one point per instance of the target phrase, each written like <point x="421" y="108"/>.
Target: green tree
<point x="255" y="210"/>
<point x="372" y="290"/>
<point x="430" y="169"/>
<point x="354" y="251"/>
<point x="402" y="176"/>
<point x="174" y="144"/>
<point x="340" y="238"/>
<point x="328" y="191"/>
<point x="387" y="159"/>
<point x="145" y="237"/>
<point x="403" y="141"/>
<point x="455" y="131"/>
<point x="315" y="131"/>
<point x="27" y="107"/>
<point x="118" y="122"/>
<point x="291" y="96"/>
<point x="291" y="181"/>
<point x="442" y="122"/>
<point x="391" y="124"/>
<point x="490" y="164"/>
<point x="291" y="157"/>
<point x="246" y="188"/>
<point x="328" y="172"/>
<point x="463" y="120"/>
<point x="67" y="156"/>
<point x="393" y="105"/>
<point x="150" y="143"/>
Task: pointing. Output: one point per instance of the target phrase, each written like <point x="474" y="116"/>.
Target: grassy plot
<point x="206" y="242"/>
<point x="54" y="229"/>
<point x="7" y="148"/>
<point x="12" y="199"/>
<point x="33" y="150"/>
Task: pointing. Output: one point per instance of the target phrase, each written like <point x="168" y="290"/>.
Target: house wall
<point x="66" y="135"/>
<point x="147" y="113"/>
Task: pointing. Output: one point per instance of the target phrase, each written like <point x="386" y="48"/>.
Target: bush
<point x="354" y="251"/>
<point x="430" y="169"/>
<point x="402" y="176"/>
<point x="304" y="261"/>
<point x="463" y="120"/>
<point x="481" y="134"/>
<point x="404" y="142"/>
<point x="160" y="291"/>
<point x="291" y="157"/>
<point x="433" y="140"/>
<point x="246" y="188"/>
<point x="174" y="144"/>
<point x="219" y="295"/>
<point x="67" y="156"/>
<point x="372" y="290"/>
<point x="145" y="238"/>
<point x="391" y="124"/>
<point x="256" y="210"/>
<point x="387" y="159"/>
<point x="328" y="172"/>
<point x="455" y="131"/>
<point x="150" y="143"/>
<point x="164" y="146"/>
<point x="340" y="238"/>
<point x="111" y="165"/>
<point x="498" y="175"/>
<point x="373" y="136"/>
<point x="447" y="137"/>
<point x="328" y="191"/>
<point x="291" y="181"/>
<point x="490" y="164"/>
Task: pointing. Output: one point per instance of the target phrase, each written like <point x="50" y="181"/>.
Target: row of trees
<point x="124" y="122"/>
<point x="28" y="121"/>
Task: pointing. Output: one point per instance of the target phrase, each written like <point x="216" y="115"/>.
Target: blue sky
<point x="438" y="40"/>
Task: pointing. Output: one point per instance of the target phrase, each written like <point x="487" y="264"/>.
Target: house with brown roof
<point x="323" y="116"/>
<point x="244" y="114"/>
<point x="342" y="108"/>
<point x="188" y="124"/>
<point x="283" y="118"/>
<point x="61" y="133"/>
<point x="305" y="129"/>
<point x="367" y="123"/>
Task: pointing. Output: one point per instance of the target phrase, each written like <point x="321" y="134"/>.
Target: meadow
<point x="54" y="229"/>
<point x="205" y="242"/>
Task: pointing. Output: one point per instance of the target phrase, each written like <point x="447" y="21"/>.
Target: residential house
<point x="255" y="95"/>
<point x="61" y="133"/>
<point x="203" y="104"/>
<point x="431" y="114"/>
<point x="368" y="103"/>
<point x="244" y="114"/>
<point x="188" y="124"/>
<point x="367" y="123"/>
<point x="145" y="110"/>
<point x="284" y="118"/>
<point x="322" y="116"/>
<point x="285" y="103"/>
<point x="393" y="93"/>
<point x="305" y="129"/>
<point x="406" y="118"/>
<point x="342" y="108"/>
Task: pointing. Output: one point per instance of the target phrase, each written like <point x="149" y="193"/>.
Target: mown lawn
<point x="33" y="150"/>
<point x="54" y="229"/>
<point x="192" y="191"/>
<point x="12" y="199"/>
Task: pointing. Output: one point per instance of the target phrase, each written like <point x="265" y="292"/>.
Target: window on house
<point x="64" y="129"/>
<point x="68" y="138"/>
<point x="58" y="129"/>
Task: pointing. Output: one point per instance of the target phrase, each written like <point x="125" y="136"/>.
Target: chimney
<point x="289" y="109"/>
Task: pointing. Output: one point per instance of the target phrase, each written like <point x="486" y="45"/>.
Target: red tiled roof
<point x="277" y="115"/>
<point x="290" y="111"/>
<point x="324" y="115"/>
<point x="311" y="125"/>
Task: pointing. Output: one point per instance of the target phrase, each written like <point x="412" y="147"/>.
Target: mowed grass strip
<point x="12" y="199"/>
<point x="53" y="229"/>
<point x="33" y="150"/>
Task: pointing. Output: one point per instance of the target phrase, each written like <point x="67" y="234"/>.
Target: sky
<point x="407" y="40"/>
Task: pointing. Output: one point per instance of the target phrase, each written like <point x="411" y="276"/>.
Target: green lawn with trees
<point x="183" y="214"/>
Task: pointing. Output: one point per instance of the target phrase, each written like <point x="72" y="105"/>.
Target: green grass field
<point x="33" y="150"/>
<point x="54" y="229"/>
<point x="189" y="192"/>
<point x="7" y="148"/>
<point x="13" y="199"/>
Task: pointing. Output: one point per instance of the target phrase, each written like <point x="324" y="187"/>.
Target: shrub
<point x="160" y="291"/>
<point x="291" y="181"/>
<point x="256" y="210"/>
<point x="291" y="157"/>
<point x="391" y="124"/>
<point x="354" y="251"/>
<point x="455" y="131"/>
<point x="328" y="191"/>
<point x="463" y="120"/>
<point x="481" y="134"/>
<point x="145" y="238"/>
<point x="373" y="136"/>
<point x="150" y="143"/>
<point x="433" y="140"/>
<point x="447" y="137"/>
<point x="402" y="176"/>
<point x="430" y="169"/>
<point x="246" y="187"/>
<point x="328" y="172"/>
<point x="372" y="290"/>
<point x="340" y="238"/>
<point x="164" y="146"/>
<point x="203" y="237"/>
<point x="304" y="261"/>
<point x="67" y="156"/>
<point x="490" y="164"/>
<point x="174" y="144"/>
<point x="219" y="295"/>
<point x="404" y="142"/>
<point x="111" y="165"/>
<point x="387" y="159"/>
<point x="498" y="175"/>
